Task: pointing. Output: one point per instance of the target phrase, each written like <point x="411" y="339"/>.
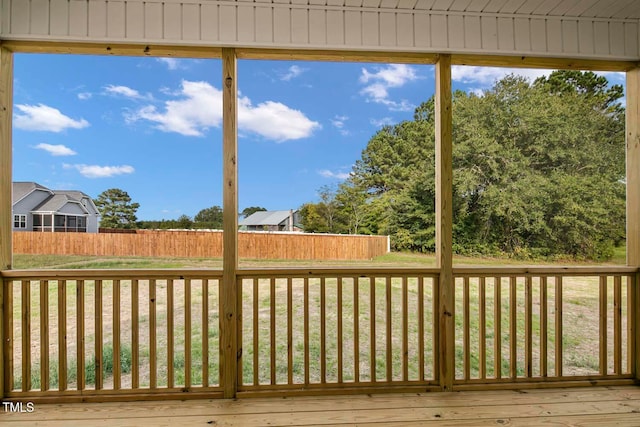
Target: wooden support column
<point x="633" y="206"/>
<point x="229" y="350"/>
<point x="444" y="222"/>
<point x="6" y="108"/>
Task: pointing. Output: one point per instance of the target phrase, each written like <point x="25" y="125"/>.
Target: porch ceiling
<point x="599" y="9"/>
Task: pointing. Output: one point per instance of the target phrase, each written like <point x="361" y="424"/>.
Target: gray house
<point x="272" y="221"/>
<point x="37" y="208"/>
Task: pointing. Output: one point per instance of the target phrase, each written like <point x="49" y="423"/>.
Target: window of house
<point x="20" y="221"/>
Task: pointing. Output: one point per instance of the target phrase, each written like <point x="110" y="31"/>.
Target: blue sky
<point x="152" y="127"/>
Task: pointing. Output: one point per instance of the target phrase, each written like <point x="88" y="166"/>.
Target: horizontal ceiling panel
<point x="599" y="9"/>
<point x="443" y="27"/>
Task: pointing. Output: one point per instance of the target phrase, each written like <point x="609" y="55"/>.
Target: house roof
<point x="21" y="189"/>
<point x="55" y="201"/>
<point x="266" y="218"/>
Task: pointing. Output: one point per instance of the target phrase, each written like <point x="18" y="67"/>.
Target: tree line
<point x="117" y="210"/>
<point x="539" y="171"/>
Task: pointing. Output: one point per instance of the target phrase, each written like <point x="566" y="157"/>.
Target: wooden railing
<point x="111" y="334"/>
<point x="552" y="324"/>
<point x="321" y="330"/>
<point x="114" y="334"/>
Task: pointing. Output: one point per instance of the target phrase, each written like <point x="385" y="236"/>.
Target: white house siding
<point x="343" y="24"/>
<point x="24" y="206"/>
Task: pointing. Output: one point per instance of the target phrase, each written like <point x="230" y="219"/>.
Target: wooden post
<point x="444" y="222"/>
<point x="633" y="205"/>
<point x="229" y="350"/>
<point x="6" y="108"/>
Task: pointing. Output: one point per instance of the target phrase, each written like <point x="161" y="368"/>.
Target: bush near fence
<point x="202" y="244"/>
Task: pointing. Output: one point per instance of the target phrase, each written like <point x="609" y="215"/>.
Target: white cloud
<point x="486" y="77"/>
<point x="83" y="96"/>
<point x="95" y="171"/>
<point x="379" y="82"/>
<point x="274" y="120"/>
<point x="56" y="150"/>
<point x="171" y="63"/>
<point x="385" y="121"/>
<point x="338" y="121"/>
<point x="200" y="107"/>
<point x="329" y="174"/>
<point x="293" y="72"/>
<point x="125" y="91"/>
<point x="44" y="118"/>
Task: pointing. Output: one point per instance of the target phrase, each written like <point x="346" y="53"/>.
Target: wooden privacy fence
<point x="203" y="244"/>
<point x="117" y="334"/>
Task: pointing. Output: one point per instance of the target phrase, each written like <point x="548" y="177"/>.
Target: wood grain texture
<point x="595" y="406"/>
<point x="202" y="244"/>
<point x="444" y="220"/>
<point x="633" y="167"/>
<point x="228" y="292"/>
<point x="6" y="157"/>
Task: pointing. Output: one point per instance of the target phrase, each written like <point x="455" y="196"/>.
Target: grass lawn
<point x="393" y="259"/>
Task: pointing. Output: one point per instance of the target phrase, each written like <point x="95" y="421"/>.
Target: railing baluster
<point x="323" y="347"/>
<point x="62" y="335"/>
<point x="543" y="326"/>
<point x="466" y="329"/>
<point x="80" y="333"/>
<point x="187" y="332"/>
<point x="617" y="325"/>
<point x="44" y="335"/>
<point x="99" y="338"/>
<point x="289" y="330"/>
<point x="630" y="331"/>
<point x="170" y="346"/>
<point x="205" y="335"/>
<point x="559" y="357"/>
<point x="26" y="335"/>
<point x="7" y="347"/>
<point x="603" y="325"/>
<point x="356" y="329"/>
<point x="256" y="334"/>
<point x="153" y="367"/>
<point x="528" y="326"/>
<point x="497" y="326"/>
<point x="435" y="331"/>
<point x="421" y="328"/>
<point x="388" y="325"/>
<point x="372" y="326"/>
<point x="340" y="340"/>
<point x="240" y="330"/>
<point x="116" y="335"/>
<point x="513" y="342"/>
<point x="256" y="330"/>
<point x="272" y="327"/>
<point x="135" y="334"/>
<point x="482" y="368"/>
<point x="405" y="329"/>
<point x="306" y="329"/>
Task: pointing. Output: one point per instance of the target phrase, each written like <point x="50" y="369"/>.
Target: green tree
<point x="312" y="219"/>
<point x="184" y="222"/>
<point x="209" y="218"/>
<point x="116" y="209"/>
<point x="251" y="210"/>
<point x="538" y="170"/>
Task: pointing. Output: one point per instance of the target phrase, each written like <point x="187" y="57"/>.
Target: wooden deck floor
<point x="598" y="406"/>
